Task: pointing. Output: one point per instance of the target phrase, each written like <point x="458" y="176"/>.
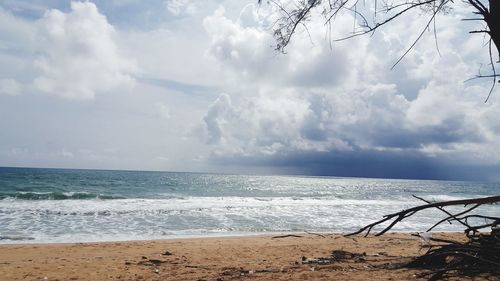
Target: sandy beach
<point x="228" y="258"/>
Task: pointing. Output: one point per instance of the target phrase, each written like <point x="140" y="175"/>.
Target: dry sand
<point x="230" y="258"/>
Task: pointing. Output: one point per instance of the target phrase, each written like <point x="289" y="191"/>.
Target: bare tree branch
<point x="399" y="216"/>
<point x="390" y="10"/>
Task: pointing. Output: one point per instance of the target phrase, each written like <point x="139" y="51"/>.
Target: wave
<point x="16" y="238"/>
<point x="56" y="196"/>
<point x="140" y="219"/>
<point x="197" y="205"/>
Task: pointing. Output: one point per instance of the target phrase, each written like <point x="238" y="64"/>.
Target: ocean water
<point x="56" y="205"/>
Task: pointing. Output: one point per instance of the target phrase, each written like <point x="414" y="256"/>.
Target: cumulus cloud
<point x="294" y="121"/>
<point x="343" y="101"/>
<point x="259" y="126"/>
<point x="180" y="7"/>
<point x="77" y="56"/>
<point x="318" y="109"/>
<point x="16" y="48"/>
<point x="216" y="116"/>
<point x="244" y="47"/>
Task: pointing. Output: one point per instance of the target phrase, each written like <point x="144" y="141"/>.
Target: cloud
<point x="162" y="111"/>
<point x="332" y="104"/>
<point x="244" y="47"/>
<point x="264" y="125"/>
<point x="216" y="118"/>
<point x="294" y="121"/>
<point x="9" y="87"/>
<point x="77" y="56"/>
<point x="16" y="50"/>
<point x="180" y="7"/>
<point x="320" y="108"/>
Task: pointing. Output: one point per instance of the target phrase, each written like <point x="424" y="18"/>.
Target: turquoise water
<point x="53" y="205"/>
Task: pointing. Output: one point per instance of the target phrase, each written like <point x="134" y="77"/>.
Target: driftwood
<point x="399" y="216"/>
<point x="286" y="236"/>
<point x="479" y="255"/>
<point x="335" y="256"/>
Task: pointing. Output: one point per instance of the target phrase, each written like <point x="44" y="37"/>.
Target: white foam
<point x="132" y="219"/>
<point x="189" y="203"/>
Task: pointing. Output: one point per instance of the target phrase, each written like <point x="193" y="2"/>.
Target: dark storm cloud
<point x="376" y="164"/>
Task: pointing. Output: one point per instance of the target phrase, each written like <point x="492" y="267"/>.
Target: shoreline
<point x="167" y="238"/>
<point x="259" y="257"/>
<point x="206" y="236"/>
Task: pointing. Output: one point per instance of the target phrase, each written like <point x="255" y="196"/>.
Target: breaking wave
<point x="56" y="196"/>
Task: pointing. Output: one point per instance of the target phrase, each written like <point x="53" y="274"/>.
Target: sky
<point x="197" y="86"/>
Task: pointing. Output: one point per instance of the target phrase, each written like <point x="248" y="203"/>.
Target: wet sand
<point x="228" y="258"/>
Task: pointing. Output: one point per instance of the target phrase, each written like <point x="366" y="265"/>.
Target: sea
<point x="64" y="205"/>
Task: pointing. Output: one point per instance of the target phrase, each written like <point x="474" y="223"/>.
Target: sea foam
<point x="110" y="206"/>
